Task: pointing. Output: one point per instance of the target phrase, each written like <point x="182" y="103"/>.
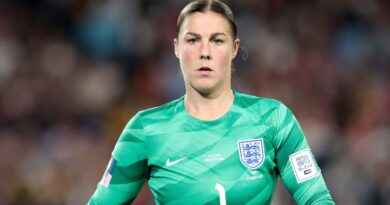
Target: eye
<point x="218" y="41"/>
<point x="192" y="41"/>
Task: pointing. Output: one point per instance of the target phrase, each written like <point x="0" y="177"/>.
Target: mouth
<point x="205" y="69"/>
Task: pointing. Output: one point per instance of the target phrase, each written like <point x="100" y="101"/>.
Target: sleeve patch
<point x="303" y="165"/>
<point x="109" y="172"/>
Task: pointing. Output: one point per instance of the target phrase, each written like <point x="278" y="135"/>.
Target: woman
<point x="214" y="145"/>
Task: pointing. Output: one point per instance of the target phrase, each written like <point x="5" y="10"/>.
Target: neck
<point x="208" y="107"/>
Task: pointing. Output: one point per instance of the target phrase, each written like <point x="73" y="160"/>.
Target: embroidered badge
<point x="251" y="153"/>
<point x="109" y="172"/>
<point x="303" y="165"/>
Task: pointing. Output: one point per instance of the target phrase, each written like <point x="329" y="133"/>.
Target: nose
<point x="205" y="51"/>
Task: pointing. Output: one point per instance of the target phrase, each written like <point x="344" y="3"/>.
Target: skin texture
<point x="205" y="48"/>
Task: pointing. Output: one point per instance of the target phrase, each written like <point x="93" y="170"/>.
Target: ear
<point x="236" y="45"/>
<point x="175" y="44"/>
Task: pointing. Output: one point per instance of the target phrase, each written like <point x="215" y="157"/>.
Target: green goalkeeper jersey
<point x="235" y="159"/>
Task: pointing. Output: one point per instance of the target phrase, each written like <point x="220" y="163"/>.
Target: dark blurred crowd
<point x="73" y="72"/>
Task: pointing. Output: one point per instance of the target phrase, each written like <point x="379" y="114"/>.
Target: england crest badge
<point x="251" y="152"/>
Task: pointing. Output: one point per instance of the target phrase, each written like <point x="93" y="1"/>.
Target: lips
<point x="205" y="69"/>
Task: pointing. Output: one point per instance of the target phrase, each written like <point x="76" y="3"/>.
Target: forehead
<point x="205" y="23"/>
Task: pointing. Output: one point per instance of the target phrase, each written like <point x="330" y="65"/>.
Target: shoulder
<point x="258" y="104"/>
<point x="267" y="110"/>
<point x="159" y="113"/>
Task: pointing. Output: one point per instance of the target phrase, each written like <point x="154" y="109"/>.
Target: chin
<point x="204" y="89"/>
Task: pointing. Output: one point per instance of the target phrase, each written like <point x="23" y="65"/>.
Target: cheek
<point x="189" y="54"/>
<point x="187" y="57"/>
<point x="223" y="58"/>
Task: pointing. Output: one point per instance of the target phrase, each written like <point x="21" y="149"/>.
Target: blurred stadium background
<point x="73" y="72"/>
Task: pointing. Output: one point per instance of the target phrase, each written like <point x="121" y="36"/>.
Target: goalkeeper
<point x="214" y="145"/>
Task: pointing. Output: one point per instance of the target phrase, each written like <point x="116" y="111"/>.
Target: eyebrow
<point x="213" y="35"/>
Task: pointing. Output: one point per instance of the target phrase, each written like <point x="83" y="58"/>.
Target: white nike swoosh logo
<point x="169" y="163"/>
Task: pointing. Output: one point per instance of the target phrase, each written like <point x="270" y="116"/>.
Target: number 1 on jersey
<point x="221" y="191"/>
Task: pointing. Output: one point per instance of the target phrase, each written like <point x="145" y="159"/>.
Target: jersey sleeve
<point x="127" y="170"/>
<point x="298" y="169"/>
